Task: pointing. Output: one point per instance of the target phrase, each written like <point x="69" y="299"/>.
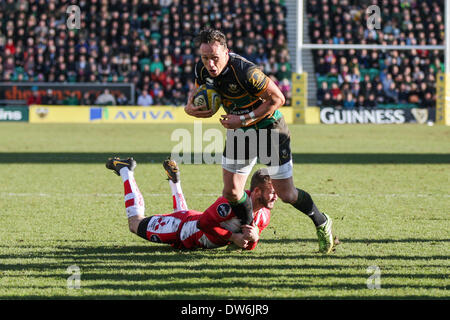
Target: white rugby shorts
<point x="244" y="168"/>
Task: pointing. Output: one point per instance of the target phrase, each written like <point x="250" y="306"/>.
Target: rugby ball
<point x="207" y="96"/>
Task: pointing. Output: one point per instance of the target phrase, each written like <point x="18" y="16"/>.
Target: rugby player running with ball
<point x="251" y="101"/>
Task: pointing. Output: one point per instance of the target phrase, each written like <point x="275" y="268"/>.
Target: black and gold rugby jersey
<point x="240" y="85"/>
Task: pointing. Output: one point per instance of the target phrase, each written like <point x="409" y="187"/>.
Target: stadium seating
<point x="408" y="77"/>
<point x="127" y="41"/>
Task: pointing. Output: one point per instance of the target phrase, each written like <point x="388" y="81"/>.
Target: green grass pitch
<point x="386" y="187"/>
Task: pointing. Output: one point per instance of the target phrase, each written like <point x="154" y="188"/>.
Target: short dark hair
<point x="210" y="36"/>
<point x="259" y="178"/>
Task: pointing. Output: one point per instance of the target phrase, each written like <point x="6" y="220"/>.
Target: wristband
<point x="243" y="120"/>
<point x="252" y="115"/>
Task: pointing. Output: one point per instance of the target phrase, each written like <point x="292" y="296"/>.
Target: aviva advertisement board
<point x="143" y="115"/>
<point x="125" y="114"/>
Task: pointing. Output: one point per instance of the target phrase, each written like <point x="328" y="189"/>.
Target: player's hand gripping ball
<point x="207" y="96"/>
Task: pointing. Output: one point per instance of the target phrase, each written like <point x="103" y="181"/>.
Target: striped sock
<point x="179" y="203"/>
<point x="134" y="202"/>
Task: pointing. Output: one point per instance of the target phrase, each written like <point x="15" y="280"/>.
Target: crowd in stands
<point x="370" y="78"/>
<point x="145" y="42"/>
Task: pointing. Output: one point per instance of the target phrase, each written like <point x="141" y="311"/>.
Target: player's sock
<point x="306" y="205"/>
<point x="179" y="203"/>
<point x="243" y="209"/>
<point x="134" y="202"/>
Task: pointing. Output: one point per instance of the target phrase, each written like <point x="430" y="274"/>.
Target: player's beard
<point x="266" y="203"/>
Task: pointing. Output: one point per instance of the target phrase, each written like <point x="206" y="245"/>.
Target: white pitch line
<point x="41" y="194"/>
<point x="393" y="195"/>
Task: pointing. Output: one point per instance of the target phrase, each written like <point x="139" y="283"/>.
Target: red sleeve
<point x="211" y="218"/>
<point x="262" y="220"/>
<point x="251" y="245"/>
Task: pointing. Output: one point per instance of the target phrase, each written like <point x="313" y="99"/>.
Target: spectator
<point x="321" y="92"/>
<point x="344" y="75"/>
<point x="327" y="100"/>
<point x="155" y="92"/>
<point x="414" y="94"/>
<point x="282" y="73"/>
<point x="158" y="76"/>
<point x="380" y="94"/>
<point x="392" y="93"/>
<point x="36" y="47"/>
<point x="387" y="81"/>
<point x="286" y="89"/>
<point x="87" y="99"/>
<point x="438" y="66"/>
<point x="405" y="23"/>
<point x="49" y="98"/>
<point x="403" y="93"/>
<point x="428" y="101"/>
<point x="355" y="76"/>
<point x="355" y="89"/>
<point x="338" y="101"/>
<point x="367" y="89"/>
<point x="371" y="102"/>
<point x="156" y="64"/>
<point x="145" y="99"/>
<point x="322" y="67"/>
<point x="104" y="68"/>
<point x="349" y="102"/>
<point x="105" y="99"/>
<point x="360" y="103"/>
<point x="335" y="91"/>
<point x="71" y="100"/>
<point x="122" y="100"/>
<point x="35" y="97"/>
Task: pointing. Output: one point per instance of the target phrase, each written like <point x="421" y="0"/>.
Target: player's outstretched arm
<point x="194" y="111"/>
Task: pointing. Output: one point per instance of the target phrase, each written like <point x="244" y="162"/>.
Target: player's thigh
<point x="285" y="189"/>
<point x="161" y="228"/>
<point x="274" y="145"/>
<point x="233" y="185"/>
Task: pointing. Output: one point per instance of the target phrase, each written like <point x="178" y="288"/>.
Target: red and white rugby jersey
<point x="219" y="222"/>
<point x="190" y="229"/>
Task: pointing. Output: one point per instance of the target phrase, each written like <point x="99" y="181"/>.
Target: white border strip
<point x="107" y="195"/>
<point x="318" y="46"/>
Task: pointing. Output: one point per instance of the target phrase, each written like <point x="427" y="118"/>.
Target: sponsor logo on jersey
<point x="257" y="78"/>
<point x="233" y="88"/>
<point x="155" y="238"/>
<point x="223" y="209"/>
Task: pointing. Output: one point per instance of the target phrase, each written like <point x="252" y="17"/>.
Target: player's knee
<point x="132" y="228"/>
<point x="231" y="195"/>
<point x="133" y="223"/>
